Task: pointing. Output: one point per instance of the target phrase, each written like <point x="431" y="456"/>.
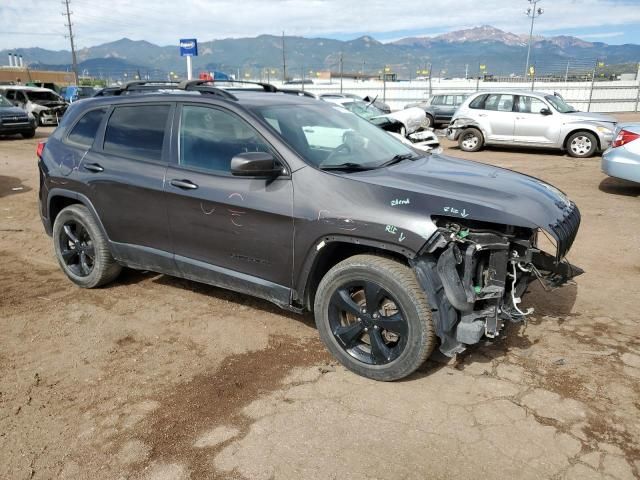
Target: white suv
<point x="532" y="119"/>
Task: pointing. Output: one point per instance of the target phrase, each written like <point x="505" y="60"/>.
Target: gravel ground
<point x="161" y="378"/>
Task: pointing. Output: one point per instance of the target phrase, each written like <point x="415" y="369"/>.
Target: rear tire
<point x="374" y="317"/>
<point x="429" y="122"/>
<point x="470" y="140"/>
<point x="81" y="248"/>
<point x="29" y="133"/>
<point x="582" y="144"/>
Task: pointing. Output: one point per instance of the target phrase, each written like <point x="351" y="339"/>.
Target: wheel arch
<point x="578" y="130"/>
<point x="330" y="251"/>
<point x="59" y="199"/>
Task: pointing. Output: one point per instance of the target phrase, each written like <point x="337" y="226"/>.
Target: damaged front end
<point x="485" y="269"/>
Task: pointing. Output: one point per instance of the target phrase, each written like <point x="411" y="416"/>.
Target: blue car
<point x="73" y="93"/>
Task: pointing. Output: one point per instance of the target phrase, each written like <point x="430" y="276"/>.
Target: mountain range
<point x="451" y="54"/>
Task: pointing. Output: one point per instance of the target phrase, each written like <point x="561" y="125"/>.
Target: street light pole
<point x="531" y="12"/>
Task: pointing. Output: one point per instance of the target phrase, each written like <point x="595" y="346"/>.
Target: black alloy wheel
<point x="367" y="322"/>
<point x="76" y="248"/>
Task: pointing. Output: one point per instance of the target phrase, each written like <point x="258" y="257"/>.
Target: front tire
<point x="81" y="248"/>
<point x="374" y="317"/>
<point x="470" y="140"/>
<point x="582" y="145"/>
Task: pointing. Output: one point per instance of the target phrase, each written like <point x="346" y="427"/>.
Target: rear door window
<point x="84" y="132"/>
<point x="137" y="131"/>
<point x="448" y="100"/>
<point x="437" y="100"/>
<point x="499" y="102"/>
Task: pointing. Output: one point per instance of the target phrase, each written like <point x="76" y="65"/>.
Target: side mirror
<point x="545" y="111"/>
<point x="255" y="164"/>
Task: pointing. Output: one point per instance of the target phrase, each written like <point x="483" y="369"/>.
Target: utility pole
<point x="74" y="60"/>
<point x="593" y="79"/>
<point x="341" y="70"/>
<point x="284" y="61"/>
<point x="566" y="73"/>
<point x="532" y="12"/>
<point x="466" y="71"/>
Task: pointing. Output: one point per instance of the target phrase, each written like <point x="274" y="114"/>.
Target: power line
<point x="74" y="60"/>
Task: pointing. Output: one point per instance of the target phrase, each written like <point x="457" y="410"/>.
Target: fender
<point x="63" y="192"/>
<point x="457" y="125"/>
<point x="314" y="253"/>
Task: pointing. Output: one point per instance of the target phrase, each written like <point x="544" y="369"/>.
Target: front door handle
<point x="94" y="167"/>
<point x="184" y="184"/>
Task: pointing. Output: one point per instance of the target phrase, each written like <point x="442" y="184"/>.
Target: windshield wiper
<point x="397" y="159"/>
<point x="348" y="166"/>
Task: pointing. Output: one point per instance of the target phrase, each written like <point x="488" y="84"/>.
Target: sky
<point x="40" y="23"/>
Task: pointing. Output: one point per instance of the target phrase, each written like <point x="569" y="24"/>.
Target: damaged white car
<point x="407" y="125"/>
<point x="45" y="105"/>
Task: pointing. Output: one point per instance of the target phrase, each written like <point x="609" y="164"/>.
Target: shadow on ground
<point x="616" y="186"/>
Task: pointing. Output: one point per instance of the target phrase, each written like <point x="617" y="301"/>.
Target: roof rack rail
<point x="135" y="84"/>
<point x="267" y="87"/>
<point x="201" y="86"/>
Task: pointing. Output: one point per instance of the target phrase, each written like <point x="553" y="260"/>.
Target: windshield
<point x="363" y="109"/>
<point x="42" y="96"/>
<point x="331" y="136"/>
<point x="4" y="102"/>
<point x="559" y="104"/>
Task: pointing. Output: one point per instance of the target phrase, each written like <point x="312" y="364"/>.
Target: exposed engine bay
<point x="485" y="270"/>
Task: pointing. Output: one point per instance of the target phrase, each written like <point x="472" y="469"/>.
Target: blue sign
<point x="188" y="47"/>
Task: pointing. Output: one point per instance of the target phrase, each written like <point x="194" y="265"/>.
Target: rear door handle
<point x="184" y="184"/>
<point x="482" y="115"/>
<point x="93" y="167"/>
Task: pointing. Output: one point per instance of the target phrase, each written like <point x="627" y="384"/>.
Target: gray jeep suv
<point x="307" y="205"/>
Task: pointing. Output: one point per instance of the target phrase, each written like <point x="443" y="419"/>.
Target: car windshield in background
<point x="43" y="96"/>
<point x="333" y="137"/>
<point x="559" y="104"/>
<point x="4" y="102"/>
<point x="363" y="109"/>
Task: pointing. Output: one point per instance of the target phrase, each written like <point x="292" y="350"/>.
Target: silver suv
<point x="532" y="119"/>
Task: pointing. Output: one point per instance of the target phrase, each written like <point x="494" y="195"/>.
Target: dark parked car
<point x="307" y="205"/>
<point x="14" y="120"/>
<point x="440" y="107"/>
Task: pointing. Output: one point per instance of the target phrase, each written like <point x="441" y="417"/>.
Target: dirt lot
<point x="160" y="378"/>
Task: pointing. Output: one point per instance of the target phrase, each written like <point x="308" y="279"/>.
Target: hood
<point x="49" y="103"/>
<point x="466" y="190"/>
<point x="590" y="116"/>
<point x="12" y="112"/>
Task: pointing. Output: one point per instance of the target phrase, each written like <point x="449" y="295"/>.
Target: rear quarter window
<point x="137" y="131"/>
<point x="478" y="102"/>
<point x="85" y="130"/>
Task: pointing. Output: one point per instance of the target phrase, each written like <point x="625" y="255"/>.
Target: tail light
<point x="624" y="137"/>
<point x="40" y="149"/>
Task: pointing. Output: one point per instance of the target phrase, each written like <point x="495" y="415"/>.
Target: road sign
<point x="532" y="70"/>
<point x="600" y="64"/>
<point x="483" y="67"/>
<point x="188" y="47"/>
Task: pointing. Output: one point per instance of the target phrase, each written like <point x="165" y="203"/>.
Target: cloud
<point x="599" y="35"/>
<point x="40" y="23"/>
